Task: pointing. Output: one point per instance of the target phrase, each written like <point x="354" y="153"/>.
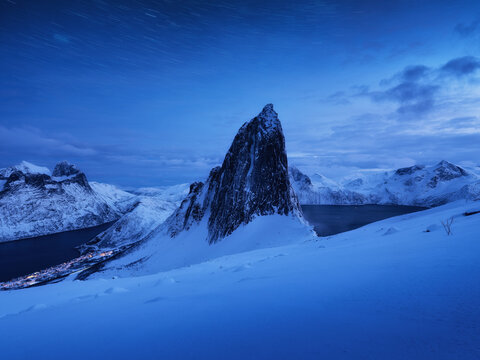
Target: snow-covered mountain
<point x="33" y="202"/>
<point x="246" y="203"/>
<point x="323" y="192"/>
<point x="418" y="185"/>
<point x="120" y="200"/>
<point x="151" y="208"/>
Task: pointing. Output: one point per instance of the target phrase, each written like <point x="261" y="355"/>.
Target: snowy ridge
<point x="24" y="167"/>
<point x="418" y="185"/>
<point x="33" y="203"/>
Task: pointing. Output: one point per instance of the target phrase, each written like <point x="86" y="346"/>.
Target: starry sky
<point x="147" y="93"/>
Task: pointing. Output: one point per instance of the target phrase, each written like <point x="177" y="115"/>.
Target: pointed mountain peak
<point x="444" y="163"/>
<point x="265" y="123"/>
<point x="268" y="112"/>
<point x="252" y="181"/>
<point x="64" y="168"/>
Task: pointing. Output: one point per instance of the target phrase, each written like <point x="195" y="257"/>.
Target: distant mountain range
<point x="417" y="185"/>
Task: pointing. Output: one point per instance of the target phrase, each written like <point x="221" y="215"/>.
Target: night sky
<point x="145" y="93"/>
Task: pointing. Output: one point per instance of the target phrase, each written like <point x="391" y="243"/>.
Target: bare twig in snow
<point x="447" y="225"/>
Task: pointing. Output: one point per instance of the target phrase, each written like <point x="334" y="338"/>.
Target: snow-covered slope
<point x="161" y="252"/>
<point x="174" y="193"/>
<point x="33" y="203"/>
<point x="151" y="208"/>
<point x="389" y="290"/>
<point x="24" y="167"/>
<point x="323" y="192"/>
<point x="116" y="198"/>
<point x="417" y="185"/>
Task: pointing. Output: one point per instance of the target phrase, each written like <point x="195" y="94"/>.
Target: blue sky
<point x="145" y="93"/>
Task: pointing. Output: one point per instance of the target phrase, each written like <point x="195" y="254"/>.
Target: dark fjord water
<point x="23" y="257"/>
<point x="334" y="219"/>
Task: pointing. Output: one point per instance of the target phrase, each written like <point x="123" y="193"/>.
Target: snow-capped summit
<point x="24" y="167"/>
<point x="445" y="171"/>
<point x="252" y="181"/>
<point x="267" y="119"/>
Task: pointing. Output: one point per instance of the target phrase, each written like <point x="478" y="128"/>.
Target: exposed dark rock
<point x="448" y="171"/>
<point x="64" y="168"/>
<point x="67" y="173"/>
<point x="299" y="177"/>
<point x="409" y="170"/>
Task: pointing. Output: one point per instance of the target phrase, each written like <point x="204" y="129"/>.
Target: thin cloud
<point x="416" y="89"/>
<point x="461" y="66"/>
<point x="31" y="141"/>
<point x="467" y="30"/>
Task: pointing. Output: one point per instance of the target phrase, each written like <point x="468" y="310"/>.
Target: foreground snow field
<point x="389" y="290"/>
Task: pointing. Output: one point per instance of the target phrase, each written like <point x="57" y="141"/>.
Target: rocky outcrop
<point x="252" y="181"/>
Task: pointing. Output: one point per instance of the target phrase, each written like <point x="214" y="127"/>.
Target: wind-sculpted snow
<point x="252" y="181"/>
<point x="417" y="185"/>
<point x="33" y="203"/>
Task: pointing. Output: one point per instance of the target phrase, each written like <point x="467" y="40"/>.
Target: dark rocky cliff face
<point x="68" y="173"/>
<point x="252" y="181"/>
<point x="64" y="168"/>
